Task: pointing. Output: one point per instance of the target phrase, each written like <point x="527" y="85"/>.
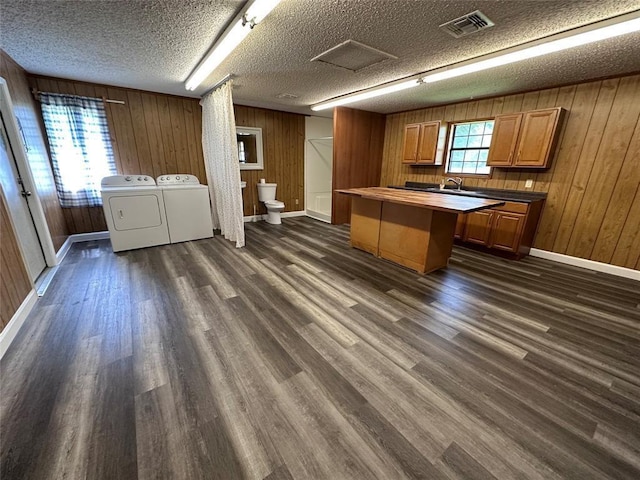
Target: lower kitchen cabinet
<point x="478" y="227"/>
<point x="509" y="228"/>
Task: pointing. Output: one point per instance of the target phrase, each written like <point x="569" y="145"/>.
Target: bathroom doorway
<point x="318" y="159"/>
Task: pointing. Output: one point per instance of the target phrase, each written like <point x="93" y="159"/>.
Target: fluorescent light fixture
<point x="570" y="41"/>
<point x="376" y="92"/>
<point x="614" y="27"/>
<point x="253" y="13"/>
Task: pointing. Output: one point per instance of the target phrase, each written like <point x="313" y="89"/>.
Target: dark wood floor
<point x="299" y="357"/>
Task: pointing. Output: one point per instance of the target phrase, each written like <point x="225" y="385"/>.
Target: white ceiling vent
<point x="353" y="56"/>
<point x="467" y="24"/>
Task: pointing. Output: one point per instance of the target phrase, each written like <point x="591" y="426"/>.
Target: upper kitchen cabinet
<point x="525" y="140"/>
<point x="424" y="143"/>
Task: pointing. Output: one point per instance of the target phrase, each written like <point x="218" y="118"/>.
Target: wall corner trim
<point x="589" y="264"/>
<point x="17" y="321"/>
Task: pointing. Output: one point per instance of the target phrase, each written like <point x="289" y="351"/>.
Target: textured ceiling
<point x="154" y="45"/>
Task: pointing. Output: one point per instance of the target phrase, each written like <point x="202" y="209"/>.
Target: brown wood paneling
<point x="14" y="278"/>
<point x="28" y="112"/>
<point x="283" y="147"/>
<point x="151" y="133"/>
<point x="358" y="140"/>
<point x="593" y="206"/>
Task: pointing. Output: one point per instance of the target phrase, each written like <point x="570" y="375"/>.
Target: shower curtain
<point x="220" y="150"/>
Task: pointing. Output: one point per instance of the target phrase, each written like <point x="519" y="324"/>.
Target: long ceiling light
<point x="252" y="14"/>
<point x="567" y="40"/>
<point x="374" y="92"/>
<point x="611" y="28"/>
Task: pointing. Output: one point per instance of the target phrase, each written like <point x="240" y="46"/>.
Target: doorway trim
<point x="39" y="219"/>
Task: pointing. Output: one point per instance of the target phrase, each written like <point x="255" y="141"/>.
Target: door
<point x="504" y="140"/>
<point x="537" y="135"/>
<point x="18" y="204"/>
<point x="410" y="143"/>
<point x="506" y="231"/>
<point x="428" y="142"/>
<point x="478" y="227"/>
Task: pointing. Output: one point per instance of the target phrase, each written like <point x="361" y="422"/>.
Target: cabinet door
<point x="504" y="140"/>
<point x="410" y="143"/>
<point x="507" y="230"/>
<point x="428" y="142"/>
<point x="536" y="138"/>
<point x="478" y="227"/>
<point x="462" y="220"/>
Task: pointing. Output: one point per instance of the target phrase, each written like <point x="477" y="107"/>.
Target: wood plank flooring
<point x="298" y="357"/>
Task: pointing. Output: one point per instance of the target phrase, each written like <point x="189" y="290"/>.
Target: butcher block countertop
<point x="433" y="201"/>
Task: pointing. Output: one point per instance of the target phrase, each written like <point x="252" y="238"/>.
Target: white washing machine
<point x="134" y="210"/>
<point x="188" y="208"/>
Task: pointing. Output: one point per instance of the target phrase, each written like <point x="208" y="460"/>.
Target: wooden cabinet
<point x="424" y="143"/>
<point x="509" y="228"/>
<point x="506" y="229"/>
<point x="460" y="223"/>
<point x="478" y="227"/>
<point x="525" y="140"/>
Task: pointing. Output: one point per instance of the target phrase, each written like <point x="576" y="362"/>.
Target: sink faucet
<point x="456" y="180"/>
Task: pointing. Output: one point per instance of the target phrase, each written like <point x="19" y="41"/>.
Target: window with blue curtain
<point x="81" y="151"/>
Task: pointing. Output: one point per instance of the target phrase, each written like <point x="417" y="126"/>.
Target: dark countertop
<point x="478" y="192"/>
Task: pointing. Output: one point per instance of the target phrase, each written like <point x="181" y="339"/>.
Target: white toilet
<point x="267" y="195"/>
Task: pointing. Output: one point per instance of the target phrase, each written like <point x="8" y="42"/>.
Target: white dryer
<point x="188" y="208"/>
<point x="134" y="211"/>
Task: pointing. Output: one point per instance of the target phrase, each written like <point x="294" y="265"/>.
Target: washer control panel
<point x="179" y="179"/>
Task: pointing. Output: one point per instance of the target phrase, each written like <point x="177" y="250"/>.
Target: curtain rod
<point x="107" y="100"/>
<point x="221" y="82"/>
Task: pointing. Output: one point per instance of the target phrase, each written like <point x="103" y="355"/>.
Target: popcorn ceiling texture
<point x="154" y="45"/>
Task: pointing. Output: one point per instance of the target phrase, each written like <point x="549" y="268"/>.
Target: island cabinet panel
<point x="407" y="234"/>
<point x="365" y="224"/>
<point x="506" y="231"/>
<point x="421" y="143"/>
<point x="478" y="227"/>
<point x="525" y="140"/>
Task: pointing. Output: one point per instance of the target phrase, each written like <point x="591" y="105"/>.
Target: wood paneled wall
<point x="15" y="284"/>
<point x="592" y="209"/>
<point x="28" y="112"/>
<point x="151" y="134"/>
<point x="358" y="138"/>
<point x="283" y="149"/>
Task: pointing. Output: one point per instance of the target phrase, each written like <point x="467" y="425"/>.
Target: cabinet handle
<point x="120" y="213"/>
<point x="510" y="156"/>
<point x="518" y="157"/>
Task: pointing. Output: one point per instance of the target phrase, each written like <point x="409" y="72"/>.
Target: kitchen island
<point x="413" y="229"/>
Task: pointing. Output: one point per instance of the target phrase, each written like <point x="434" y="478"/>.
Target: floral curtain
<point x="81" y="151"/>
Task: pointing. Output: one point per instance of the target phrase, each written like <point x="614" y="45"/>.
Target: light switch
<point x="528" y="183"/>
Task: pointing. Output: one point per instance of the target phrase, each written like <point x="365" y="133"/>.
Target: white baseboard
<point x="79" y="237"/>
<point x="256" y="218"/>
<point x="319" y="216"/>
<point x="584" y="263"/>
<point x="13" y="327"/>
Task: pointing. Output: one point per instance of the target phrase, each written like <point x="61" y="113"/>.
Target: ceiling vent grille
<point x="467" y="24"/>
<point x="352" y="55"/>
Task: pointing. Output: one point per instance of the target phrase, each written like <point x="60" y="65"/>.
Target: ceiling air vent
<point x="467" y="24"/>
<point x="352" y="55"/>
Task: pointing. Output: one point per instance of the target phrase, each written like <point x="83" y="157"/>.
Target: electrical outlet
<point x="528" y="183"/>
<point x="296" y="201"/>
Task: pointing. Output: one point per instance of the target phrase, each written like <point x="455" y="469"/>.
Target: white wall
<point x="318" y="158"/>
